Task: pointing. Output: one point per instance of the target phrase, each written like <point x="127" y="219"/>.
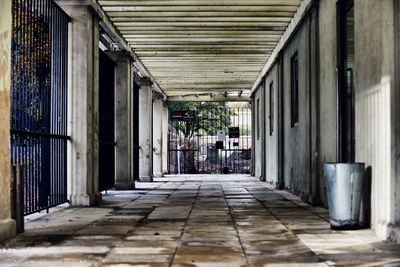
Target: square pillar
<point x="165" y="118"/>
<point x="123" y="122"/>
<point x="84" y="104"/>
<point x="145" y="131"/>
<point x="7" y="225"/>
<point x="157" y="135"/>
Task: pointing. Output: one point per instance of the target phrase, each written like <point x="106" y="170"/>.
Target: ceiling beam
<point x="106" y="3"/>
<point x="208" y="97"/>
<point x="198" y="8"/>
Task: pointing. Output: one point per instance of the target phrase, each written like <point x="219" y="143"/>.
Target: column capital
<point x="120" y="56"/>
<point x="74" y="8"/>
<point x="157" y="96"/>
<point x="145" y="81"/>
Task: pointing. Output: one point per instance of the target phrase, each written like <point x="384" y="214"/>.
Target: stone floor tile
<point x="195" y="220"/>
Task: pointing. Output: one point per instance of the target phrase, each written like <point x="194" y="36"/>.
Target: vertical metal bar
<point x="55" y="99"/>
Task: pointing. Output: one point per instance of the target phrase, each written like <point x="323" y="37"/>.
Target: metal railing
<point x="192" y="143"/>
<point x="39" y="101"/>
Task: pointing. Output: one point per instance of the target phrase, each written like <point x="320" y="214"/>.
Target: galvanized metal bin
<point x="344" y="182"/>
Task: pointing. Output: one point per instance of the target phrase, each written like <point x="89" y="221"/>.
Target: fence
<point x="39" y="101"/>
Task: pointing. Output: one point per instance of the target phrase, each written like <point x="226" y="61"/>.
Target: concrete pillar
<point x="7" y="225"/>
<point x="377" y="111"/>
<point x="157" y="135"/>
<point x="145" y="131"/>
<point x="123" y="122"/>
<point x="84" y="98"/>
<point x="165" y="138"/>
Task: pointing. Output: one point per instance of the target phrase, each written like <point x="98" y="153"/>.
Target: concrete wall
<point x="157" y="135"/>
<point x="7" y="225"/>
<point x="295" y="155"/>
<point x="259" y="135"/>
<point x="271" y="141"/>
<point x="165" y="117"/>
<point x="83" y="84"/>
<point x="296" y="138"/>
<point x="123" y="126"/>
<point x="377" y="100"/>
<point x="327" y="121"/>
<point x="314" y="140"/>
<point x="145" y="131"/>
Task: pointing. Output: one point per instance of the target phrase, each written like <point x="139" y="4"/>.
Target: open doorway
<point x="346" y="90"/>
<point x="209" y="137"/>
<point x="106" y="122"/>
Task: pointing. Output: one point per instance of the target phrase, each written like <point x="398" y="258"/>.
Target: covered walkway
<point x="218" y="220"/>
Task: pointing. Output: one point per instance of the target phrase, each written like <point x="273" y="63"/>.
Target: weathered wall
<point x="296" y="141"/>
<point x="123" y="129"/>
<point x="145" y="131"/>
<point x="312" y="141"/>
<point x="7" y="225"/>
<point x="83" y="84"/>
<point x="165" y="117"/>
<point x="258" y="139"/>
<point x="327" y="88"/>
<point x="157" y="135"/>
<point x="271" y="141"/>
<point x="376" y="109"/>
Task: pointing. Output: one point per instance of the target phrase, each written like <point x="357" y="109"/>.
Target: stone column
<point x="123" y="126"/>
<point x="7" y="225"/>
<point x="165" y="138"/>
<point x="157" y="135"/>
<point x="84" y="98"/>
<point x="145" y="131"/>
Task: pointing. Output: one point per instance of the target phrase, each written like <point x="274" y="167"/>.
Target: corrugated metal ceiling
<point x="202" y="46"/>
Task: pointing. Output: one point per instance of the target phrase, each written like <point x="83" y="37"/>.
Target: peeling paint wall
<point x="7" y="226"/>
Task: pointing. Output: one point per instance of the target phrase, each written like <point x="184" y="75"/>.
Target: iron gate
<point x="106" y="122"/>
<point x="209" y="137"/>
<point x="39" y="101"/>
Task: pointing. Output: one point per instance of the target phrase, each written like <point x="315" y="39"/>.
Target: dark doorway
<point x="106" y="123"/>
<point x="346" y="91"/>
<point x="135" y="117"/>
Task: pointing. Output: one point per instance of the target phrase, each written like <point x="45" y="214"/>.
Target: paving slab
<point x="195" y="220"/>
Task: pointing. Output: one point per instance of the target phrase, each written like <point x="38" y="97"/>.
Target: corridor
<point x="196" y="220"/>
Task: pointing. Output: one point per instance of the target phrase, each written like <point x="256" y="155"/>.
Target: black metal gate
<point x="39" y="101"/>
<point x="209" y="137"/>
<point x="106" y="122"/>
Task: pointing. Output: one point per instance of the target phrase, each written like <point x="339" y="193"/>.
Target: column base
<point x="85" y="200"/>
<point x="145" y="179"/>
<point x="158" y="175"/>
<point x="394" y="233"/>
<point x="124" y="185"/>
<point x="8" y="229"/>
<point x="279" y="186"/>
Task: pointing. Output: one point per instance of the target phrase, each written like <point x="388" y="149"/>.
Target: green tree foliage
<point x="210" y="117"/>
<point x="31" y="61"/>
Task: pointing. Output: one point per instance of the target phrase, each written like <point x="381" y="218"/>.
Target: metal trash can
<point x="343" y="183"/>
